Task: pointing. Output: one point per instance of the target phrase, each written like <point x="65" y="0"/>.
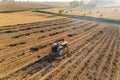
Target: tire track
<point x="8" y="66"/>
<point x="91" y="32"/>
<point x="55" y="69"/>
<point x="86" y="55"/>
<point x="78" y="68"/>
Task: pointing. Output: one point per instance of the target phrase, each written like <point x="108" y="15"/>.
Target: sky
<point x="56" y="0"/>
<point x="48" y="0"/>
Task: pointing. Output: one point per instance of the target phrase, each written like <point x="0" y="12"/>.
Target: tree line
<point x="7" y="0"/>
<point x="89" y="3"/>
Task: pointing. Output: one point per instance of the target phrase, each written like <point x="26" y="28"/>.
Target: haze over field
<point x="59" y="0"/>
<point x="118" y="1"/>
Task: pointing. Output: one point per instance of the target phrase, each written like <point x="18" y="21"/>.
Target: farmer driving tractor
<point x="58" y="46"/>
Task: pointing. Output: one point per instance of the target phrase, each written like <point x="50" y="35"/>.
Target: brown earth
<point x="4" y="6"/>
<point x="109" y="13"/>
<point x="94" y="51"/>
<point x="23" y="17"/>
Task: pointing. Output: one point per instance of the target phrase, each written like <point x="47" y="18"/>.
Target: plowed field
<point x="94" y="51"/>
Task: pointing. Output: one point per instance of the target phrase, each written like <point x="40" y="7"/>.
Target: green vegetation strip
<point x="11" y="11"/>
<point x="104" y="20"/>
<point x="18" y="10"/>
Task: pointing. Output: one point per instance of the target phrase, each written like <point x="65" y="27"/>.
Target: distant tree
<point x="96" y="2"/>
<point x="82" y="3"/>
<point x="60" y="11"/>
<point x="92" y="3"/>
<point x="3" y="0"/>
<point x="75" y="3"/>
<point x="7" y="0"/>
<point x="106" y="1"/>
